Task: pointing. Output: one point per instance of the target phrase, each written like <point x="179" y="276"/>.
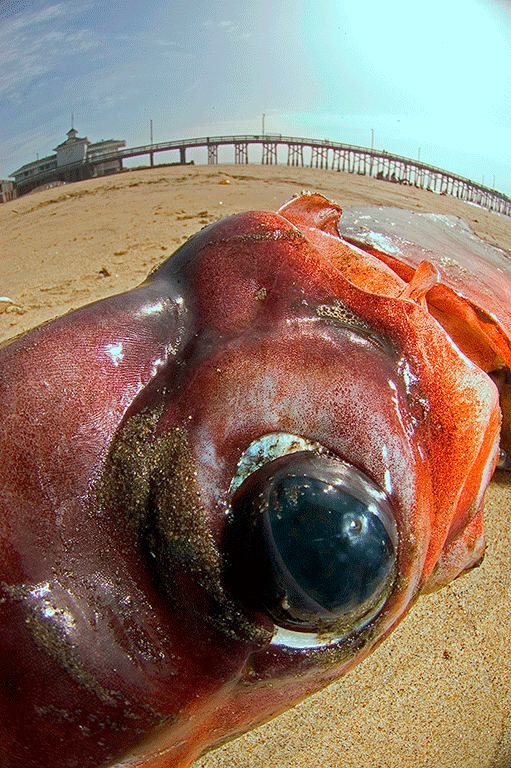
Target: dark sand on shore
<point x="436" y="693"/>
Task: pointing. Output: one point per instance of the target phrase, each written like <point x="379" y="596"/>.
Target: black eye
<point x="312" y="541"/>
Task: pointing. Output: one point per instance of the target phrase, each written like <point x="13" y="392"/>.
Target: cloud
<point x="231" y="30"/>
<point x="45" y="15"/>
<point x="34" y="44"/>
<point x="111" y="89"/>
<point x="25" y="146"/>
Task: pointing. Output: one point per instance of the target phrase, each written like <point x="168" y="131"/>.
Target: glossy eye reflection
<point x="312" y="540"/>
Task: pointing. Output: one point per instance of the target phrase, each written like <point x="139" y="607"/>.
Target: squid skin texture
<point x="122" y="424"/>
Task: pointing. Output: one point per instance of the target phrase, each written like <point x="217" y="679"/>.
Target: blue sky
<point x="433" y="75"/>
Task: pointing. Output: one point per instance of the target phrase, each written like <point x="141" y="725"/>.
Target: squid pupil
<point x="331" y="543"/>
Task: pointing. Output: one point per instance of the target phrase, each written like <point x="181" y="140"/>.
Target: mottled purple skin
<point x="121" y="427"/>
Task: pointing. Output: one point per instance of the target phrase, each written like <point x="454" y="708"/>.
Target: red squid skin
<point x="122" y="423"/>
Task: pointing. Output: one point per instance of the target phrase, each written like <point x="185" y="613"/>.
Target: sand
<point x="436" y="692"/>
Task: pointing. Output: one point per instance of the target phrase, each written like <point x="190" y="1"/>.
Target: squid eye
<point x="312" y="541"/>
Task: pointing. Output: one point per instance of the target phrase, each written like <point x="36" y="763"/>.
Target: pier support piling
<point x="212" y="154"/>
<point x="241" y="153"/>
<point x="269" y="153"/>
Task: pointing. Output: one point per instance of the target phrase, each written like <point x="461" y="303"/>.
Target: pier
<point x="313" y="153"/>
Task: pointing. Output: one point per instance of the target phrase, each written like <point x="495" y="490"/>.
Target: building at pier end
<point x="76" y="159"/>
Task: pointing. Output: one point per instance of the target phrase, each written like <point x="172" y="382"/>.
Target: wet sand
<point x="436" y="692"/>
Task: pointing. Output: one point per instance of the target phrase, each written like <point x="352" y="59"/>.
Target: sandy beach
<point x="436" y="693"/>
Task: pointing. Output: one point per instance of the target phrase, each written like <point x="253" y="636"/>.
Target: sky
<point x="428" y="79"/>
